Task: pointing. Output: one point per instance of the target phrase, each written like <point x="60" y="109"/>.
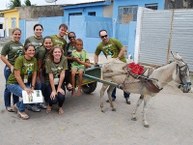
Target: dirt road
<point x="170" y="117"/>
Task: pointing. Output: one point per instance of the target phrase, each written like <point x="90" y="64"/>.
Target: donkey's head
<point x="182" y="75"/>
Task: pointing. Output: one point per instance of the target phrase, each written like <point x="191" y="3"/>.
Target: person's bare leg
<point x="60" y="111"/>
<point x="80" y="74"/>
<point x="73" y="74"/>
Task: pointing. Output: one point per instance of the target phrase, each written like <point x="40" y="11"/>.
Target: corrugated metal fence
<point x="162" y="31"/>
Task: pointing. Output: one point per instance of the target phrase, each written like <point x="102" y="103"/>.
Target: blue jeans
<point x="126" y="95"/>
<point x="17" y="90"/>
<point x="7" y="93"/>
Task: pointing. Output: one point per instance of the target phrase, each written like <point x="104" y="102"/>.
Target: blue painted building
<point x="125" y="16"/>
<point x="118" y="17"/>
<point x="87" y="19"/>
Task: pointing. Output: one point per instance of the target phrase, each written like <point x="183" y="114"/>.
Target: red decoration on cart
<point x="136" y="68"/>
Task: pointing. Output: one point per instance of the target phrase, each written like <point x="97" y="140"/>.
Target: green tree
<point x="27" y="3"/>
<point x="14" y="3"/>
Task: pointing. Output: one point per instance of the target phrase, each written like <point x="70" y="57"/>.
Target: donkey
<point x="117" y="72"/>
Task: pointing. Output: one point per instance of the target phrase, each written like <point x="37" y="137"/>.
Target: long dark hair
<point x="38" y="25"/>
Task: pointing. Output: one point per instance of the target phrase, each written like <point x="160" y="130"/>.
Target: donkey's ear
<point x="176" y="56"/>
<point x="172" y="53"/>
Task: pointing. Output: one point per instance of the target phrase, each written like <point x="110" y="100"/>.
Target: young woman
<point x="82" y="61"/>
<point x="37" y="41"/>
<point x="9" y="53"/>
<point x="23" y="77"/>
<point x="42" y="55"/>
<point x="37" y="38"/>
<point x="55" y="68"/>
<point x="59" y="40"/>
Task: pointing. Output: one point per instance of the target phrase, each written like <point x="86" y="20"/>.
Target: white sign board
<point x="35" y="97"/>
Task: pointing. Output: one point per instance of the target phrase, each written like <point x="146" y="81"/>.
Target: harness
<point x="149" y="83"/>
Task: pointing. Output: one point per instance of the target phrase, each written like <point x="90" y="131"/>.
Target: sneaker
<point x="42" y="106"/>
<point x="33" y="108"/>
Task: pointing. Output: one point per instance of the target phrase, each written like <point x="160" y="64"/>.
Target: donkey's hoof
<point x="102" y="111"/>
<point x="113" y="109"/>
<point x="134" y="119"/>
<point x="146" y="125"/>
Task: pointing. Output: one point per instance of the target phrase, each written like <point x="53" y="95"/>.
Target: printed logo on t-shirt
<point x="58" y="42"/>
<point x="56" y="71"/>
<point x="28" y="68"/>
<point x="107" y="49"/>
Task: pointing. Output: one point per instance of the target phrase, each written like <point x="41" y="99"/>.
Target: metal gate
<point x="160" y="31"/>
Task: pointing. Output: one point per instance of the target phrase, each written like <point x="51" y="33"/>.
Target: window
<point x="152" y="6"/>
<point x="75" y="14"/>
<point x="13" y="23"/>
<point x="1" y="26"/>
<point x="92" y="13"/>
<point x="127" y="13"/>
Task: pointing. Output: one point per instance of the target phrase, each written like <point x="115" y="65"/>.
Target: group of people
<point x="49" y="64"/>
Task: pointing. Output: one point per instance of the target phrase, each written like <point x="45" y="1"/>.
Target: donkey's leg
<point x="109" y="92"/>
<point x="136" y="107"/>
<point x="146" y="99"/>
<point x="102" y="91"/>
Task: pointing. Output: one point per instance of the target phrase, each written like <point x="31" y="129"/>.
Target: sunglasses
<point x="71" y="37"/>
<point x="104" y="36"/>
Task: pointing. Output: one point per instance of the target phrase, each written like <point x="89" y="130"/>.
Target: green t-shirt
<point x="56" y="68"/>
<point x="81" y="55"/>
<point x="12" y="50"/>
<point x="42" y="54"/>
<point x="59" y="42"/>
<point x="112" y="48"/>
<point x="34" y="41"/>
<point x="26" y="67"/>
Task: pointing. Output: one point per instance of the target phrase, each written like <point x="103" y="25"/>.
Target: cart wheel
<point x="89" y="88"/>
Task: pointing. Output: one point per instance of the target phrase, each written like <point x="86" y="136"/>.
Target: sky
<point x="5" y="3"/>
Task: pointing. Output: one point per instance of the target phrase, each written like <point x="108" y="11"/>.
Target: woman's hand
<point x="60" y="90"/>
<point x="53" y="95"/>
<point x="29" y="91"/>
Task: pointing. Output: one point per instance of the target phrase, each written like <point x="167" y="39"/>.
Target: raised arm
<point x="96" y="59"/>
<point x="121" y="53"/>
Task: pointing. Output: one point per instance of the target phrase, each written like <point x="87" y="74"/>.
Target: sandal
<point x="72" y="92"/>
<point x="60" y="111"/>
<point x="15" y="108"/>
<point x="78" y="93"/>
<point x="49" y="109"/>
<point x="10" y="109"/>
<point x="69" y="87"/>
<point x="23" y="115"/>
